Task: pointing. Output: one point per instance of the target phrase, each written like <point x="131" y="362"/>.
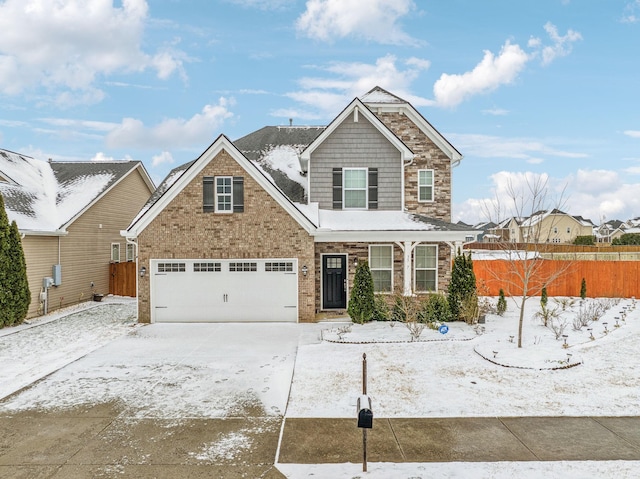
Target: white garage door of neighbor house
<point x="214" y="290"/>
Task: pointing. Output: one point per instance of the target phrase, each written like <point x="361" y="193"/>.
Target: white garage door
<point x="214" y="290"/>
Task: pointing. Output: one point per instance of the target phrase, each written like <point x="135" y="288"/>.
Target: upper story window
<point x="425" y="185"/>
<point x="355" y="188"/>
<point x="130" y="252"/>
<point x="223" y="194"/>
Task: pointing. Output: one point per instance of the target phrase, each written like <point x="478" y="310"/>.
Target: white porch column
<point x="407" y="248"/>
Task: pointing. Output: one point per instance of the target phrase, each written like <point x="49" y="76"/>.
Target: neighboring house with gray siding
<point x="271" y="227"/>
<point x="70" y="215"/>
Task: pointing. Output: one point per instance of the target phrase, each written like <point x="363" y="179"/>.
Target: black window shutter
<point x="238" y="194"/>
<point x="373" y="188"/>
<point x="207" y="194"/>
<point x="337" y="188"/>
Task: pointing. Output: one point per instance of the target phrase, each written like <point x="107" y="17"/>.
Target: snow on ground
<point x="436" y="378"/>
<point x="164" y="370"/>
<point x="468" y="470"/>
<point x="236" y="370"/>
<point x="49" y="343"/>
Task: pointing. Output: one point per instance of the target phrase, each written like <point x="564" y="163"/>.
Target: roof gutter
<point x="43" y="233"/>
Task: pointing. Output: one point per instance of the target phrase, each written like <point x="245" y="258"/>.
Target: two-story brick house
<point x="271" y="227"/>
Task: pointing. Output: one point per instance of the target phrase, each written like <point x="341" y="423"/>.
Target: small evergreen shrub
<point x="361" y="300"/>
<point x="435" y="308"/>
<point x="502" y="303"/>
<point x="381" y="310"/>
<point x="543" y="297"/>
<point x="462" y="287"/>
<point x="583" y="289"/>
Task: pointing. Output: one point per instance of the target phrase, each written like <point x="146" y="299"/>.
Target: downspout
<point x="135" y="248"/>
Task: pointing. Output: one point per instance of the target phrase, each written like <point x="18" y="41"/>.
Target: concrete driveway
<point x="166" y="400"/>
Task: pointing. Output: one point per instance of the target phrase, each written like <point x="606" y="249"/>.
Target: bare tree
<point x="531" y="213"/>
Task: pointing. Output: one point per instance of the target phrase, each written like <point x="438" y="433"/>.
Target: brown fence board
<point x="122" y="280"/>
<point x="610" y="279"/>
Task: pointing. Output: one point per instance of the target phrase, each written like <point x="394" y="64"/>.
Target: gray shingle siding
<point x="353" y="145"/>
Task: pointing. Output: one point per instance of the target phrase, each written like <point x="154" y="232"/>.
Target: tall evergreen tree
<point x="362" y="300"/>
<point x="5" y="295"/>
<point x="18" y="274"/>
<point x="14" y="286"/>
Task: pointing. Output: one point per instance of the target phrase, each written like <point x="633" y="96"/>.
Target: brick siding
<point x="263" y="230"/>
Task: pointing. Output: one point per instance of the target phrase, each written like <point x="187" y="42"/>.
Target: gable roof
<point x="47" y="197"/>
<point x="186" y="173"/>
<point x="378" y="99"/>
<point x="356" y="107"/>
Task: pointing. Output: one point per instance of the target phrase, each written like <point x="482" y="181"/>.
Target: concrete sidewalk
<point x="100" y="442"/>
<point x="313" y="441"/>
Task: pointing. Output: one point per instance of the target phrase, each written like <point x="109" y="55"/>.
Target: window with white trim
<point x="425" y="185"/>
<point x="276" y="267"/>
<point x="207" y="267"/>
<point x="381" y="266"/>
<point x="425" y="260"/>
<point x="245" y="266"/>
<point x="130" y="252"/>
<point x="115" y="252"/>
<point x="224" y="195"/>
<point x="354" y="188"/>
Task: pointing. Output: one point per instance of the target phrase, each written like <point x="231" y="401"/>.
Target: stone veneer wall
<point x="428" y="156"/>
<point x="263" y="230"/>
<point x="361" y="251"/>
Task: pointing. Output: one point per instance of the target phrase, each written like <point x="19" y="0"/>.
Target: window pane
<point x="426" y="193"/>
<point x="381" y="280"/>
<point x="355" y="178"/>
<point x="355" y="199"/>
<point x="425" y="257"/>
<point x="426" y="177"/>
<point x="380" y="257"/>
<point x="425" y="280"/>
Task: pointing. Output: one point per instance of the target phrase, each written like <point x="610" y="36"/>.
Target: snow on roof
<point x="44" y="196"/>
<point x="379" y="95"/>
<point x="377" y="220"/>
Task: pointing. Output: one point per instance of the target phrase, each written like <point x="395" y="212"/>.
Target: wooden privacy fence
<point x="608" y="279"/>
<point x="122" y="279"/>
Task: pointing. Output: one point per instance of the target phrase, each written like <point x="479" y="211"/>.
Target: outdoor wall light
<point x="355" y="261"/>
<point x="305" y="270"/>
<point x="143" y="271"/>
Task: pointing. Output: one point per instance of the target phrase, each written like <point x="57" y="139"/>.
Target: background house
<point x="271" y="227"/>
<point x="70" y="215"/>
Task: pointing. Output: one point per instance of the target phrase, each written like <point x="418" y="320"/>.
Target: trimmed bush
<point x="583" y="289"/>
<point x="381" y="310"/>
<point x="462" y="288"/>
<point x="543" y="297"/>
<point x="362" y="301"/>
<point x="435" y="308"/>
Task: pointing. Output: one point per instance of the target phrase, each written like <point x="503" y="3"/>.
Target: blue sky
<point x="523" y="89"/>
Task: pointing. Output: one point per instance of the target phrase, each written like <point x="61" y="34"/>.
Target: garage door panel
<point x="236" y="290"/>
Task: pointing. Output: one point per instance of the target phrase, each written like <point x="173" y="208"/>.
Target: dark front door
<point x="334" y="279"/>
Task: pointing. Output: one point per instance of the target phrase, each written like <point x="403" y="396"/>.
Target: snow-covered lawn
<point x="445" y="376"/>
<point x="314" y="370"/>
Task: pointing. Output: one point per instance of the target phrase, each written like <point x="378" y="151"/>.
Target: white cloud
<point x="528" y="149"/>
<point x="350" y="80"/>
<point x="163" y="158"/>
<point x="629" y="15"/>
<point x="492" y="72"/>
<point x="562" y="45"/>
<point x="263" y="4"/>
<point x="171" y="133"/>
<point x="496" y="112"/>
<point x="375" y="20"/>
<point x="632" y="133"/>
<point x="67" y="45"/>
<point x="100" y="156"/>
<point x="592" y="194"/>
